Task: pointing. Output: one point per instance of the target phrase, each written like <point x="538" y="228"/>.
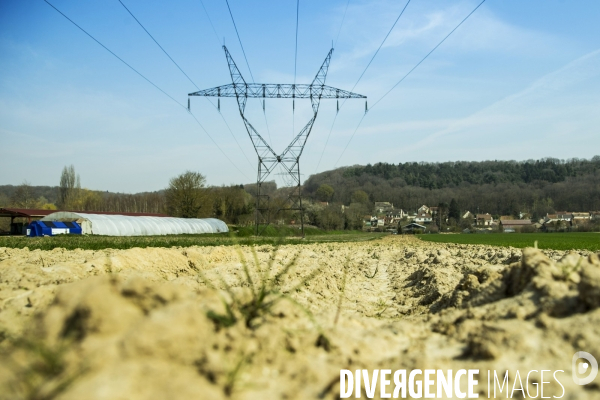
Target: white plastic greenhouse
<point x="125" y="225"/>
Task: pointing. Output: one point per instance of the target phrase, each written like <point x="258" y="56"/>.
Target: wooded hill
<point x="497" y="187"/>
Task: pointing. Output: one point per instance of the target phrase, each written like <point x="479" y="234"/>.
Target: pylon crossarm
<point x="278" y="91"/>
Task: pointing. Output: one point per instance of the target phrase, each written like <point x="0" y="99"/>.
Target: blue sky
<point x="518" y="80"/>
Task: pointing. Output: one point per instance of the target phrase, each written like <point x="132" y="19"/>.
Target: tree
<point x="360" y="196"/>
<point x="186" y="196"/>
<point x="68" y="190"/>
<point x="324" y="192"/>
<point x="331" y="218"/>
<point x="23" y="196"/>
<point x="453" y="210"/>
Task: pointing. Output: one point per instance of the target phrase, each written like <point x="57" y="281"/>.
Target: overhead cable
<point x="405" y="76"/>
<point x="295" y="64"/>
<point x="248" y="65"/>
<point x="211" y="24"/>
<point x="149" y="81"/>
<point x="186" y="75"/>
<point x="359" y="78"/>
<point x="239" y="39"/>
<point x="341" y="24"/>
<point x="158" y="44"/>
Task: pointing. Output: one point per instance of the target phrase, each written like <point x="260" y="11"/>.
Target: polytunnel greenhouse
<point x="126" y="225"/>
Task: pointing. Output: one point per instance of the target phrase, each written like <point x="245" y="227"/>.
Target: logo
<point x="579" y="368"/>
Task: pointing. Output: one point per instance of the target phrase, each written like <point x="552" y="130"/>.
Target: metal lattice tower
<point x="268" y="159"/>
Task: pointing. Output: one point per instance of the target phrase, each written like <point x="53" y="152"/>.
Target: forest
<point x="536" y="187"/>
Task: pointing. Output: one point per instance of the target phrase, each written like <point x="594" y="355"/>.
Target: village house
<point x="468" y="215"/>
<point x="423" y="209"/>
<point x="559" y="216"/>
<point x="581" y="216"/>
<point x="564" y="216"/>
<point x="484" y="219"/>
<point x="383" y="206"/>
<point x="393" y="217"/>
<point x="423" y="218"/>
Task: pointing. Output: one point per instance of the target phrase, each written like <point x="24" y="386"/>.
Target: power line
<point x="110" y="51"/>
<point x="359" y="78"/>
<point x="247" y="64"/>
<point x="296" y="52"/>
<point x="186" y="75"/>
<point x="211" y="24"/>
<point x="295" y="64"/>
<point x="381" y="45"/>
<point x="239" y="39"/>
<point x="158" y="44"/>
<point x="406" y="75"/>
<point x="341" y="24"/>
<point x="428" y="54"/>
<point x="147" y="80"/>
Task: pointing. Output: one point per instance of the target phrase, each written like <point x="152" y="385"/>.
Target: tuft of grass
<point x="232" y="376"/>
<point x="342" y="291"/>
<point x="46" y="374"/>
<point x="264" y="294"/>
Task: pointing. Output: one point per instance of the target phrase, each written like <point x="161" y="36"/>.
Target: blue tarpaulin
<point x="51" y="228"/>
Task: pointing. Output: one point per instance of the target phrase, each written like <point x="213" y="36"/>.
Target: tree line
<point x="186" y="196"/>
<point x="497" y="187"/>
<point x="341" y="198"/>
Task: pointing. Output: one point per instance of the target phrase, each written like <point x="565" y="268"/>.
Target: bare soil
<point x="179" y="323"/>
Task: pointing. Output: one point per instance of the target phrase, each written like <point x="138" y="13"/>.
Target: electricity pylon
<point x="267" y="157"/>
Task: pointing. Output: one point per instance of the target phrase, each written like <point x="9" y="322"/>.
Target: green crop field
<point x="241" y="236"/>
<point x="556" y="241"/>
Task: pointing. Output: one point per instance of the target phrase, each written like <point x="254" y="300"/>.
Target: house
<point x="468" y="215"/>
<point x="581" y="216"/>
<point x="559" y="216"/>
<point x="423" y="210"/>
<point x="506" y="217"/>
<point x="423" y="218"/>
<point x="383" y="206"/>
<point x="564" y="216"/>
<point x="595" y="215"/>
<point x="514" y="225"/>
<point x="484" y="219"/>
<point x="393" y="217"/>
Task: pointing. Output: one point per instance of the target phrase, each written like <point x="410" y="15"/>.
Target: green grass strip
<point x="556" y="241"/>
<point x="93" y="242"/>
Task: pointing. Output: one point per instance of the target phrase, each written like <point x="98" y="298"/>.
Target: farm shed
<point x="24" y="215"/>
<point x="127" y="225"/>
